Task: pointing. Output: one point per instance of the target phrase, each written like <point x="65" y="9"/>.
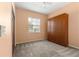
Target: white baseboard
<point x="74" y="46"/>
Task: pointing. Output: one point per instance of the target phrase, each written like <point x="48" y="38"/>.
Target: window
<point x="34" y="24"/>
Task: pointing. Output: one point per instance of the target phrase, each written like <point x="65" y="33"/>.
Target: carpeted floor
<point x="44" y="49"/>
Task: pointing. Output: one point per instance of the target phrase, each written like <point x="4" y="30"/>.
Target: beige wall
<point x="73" y="10"/>
<point x="22" y="33"/>
<point x="5" y="20"/>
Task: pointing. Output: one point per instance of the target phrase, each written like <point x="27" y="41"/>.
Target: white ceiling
<point x="39" y="6"/>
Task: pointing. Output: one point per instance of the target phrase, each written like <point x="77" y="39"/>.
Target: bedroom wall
<point x="73" y="10"/>
<point x="6" y="39"/>
<point x="22" y="33"/>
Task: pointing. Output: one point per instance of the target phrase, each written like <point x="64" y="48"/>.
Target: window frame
<point x="33" y="24"/>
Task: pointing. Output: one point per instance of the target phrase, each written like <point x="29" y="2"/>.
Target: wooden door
<point x="13" y="32"/>
<point x="58" y="29"/>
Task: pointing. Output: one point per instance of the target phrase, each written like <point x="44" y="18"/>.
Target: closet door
<point x="58" y="32"/>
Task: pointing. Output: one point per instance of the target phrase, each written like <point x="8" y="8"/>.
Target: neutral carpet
<point x="44" y="49"/>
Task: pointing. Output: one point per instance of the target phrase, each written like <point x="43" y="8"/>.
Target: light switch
<point x="2" y="30"/>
